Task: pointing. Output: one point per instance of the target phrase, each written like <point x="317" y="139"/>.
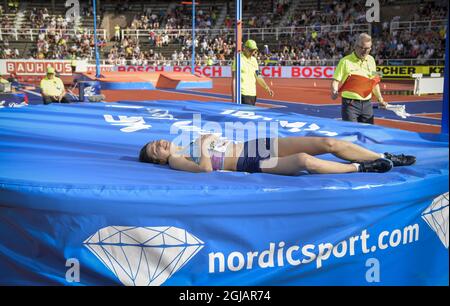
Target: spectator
<point x="117" y="32"/>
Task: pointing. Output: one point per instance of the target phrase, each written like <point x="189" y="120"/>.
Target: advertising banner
<point x="78" y="208"/>
<point x="408" y="71"/>
<point x="63" y="67"/>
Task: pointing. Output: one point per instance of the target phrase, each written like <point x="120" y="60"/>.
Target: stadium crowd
<point x="310" y="44"/>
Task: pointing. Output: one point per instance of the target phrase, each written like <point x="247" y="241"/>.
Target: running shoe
<point x="380" y="165"/>
<point x="401" y="159"/>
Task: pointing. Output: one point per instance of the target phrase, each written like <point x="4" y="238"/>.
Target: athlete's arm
<point x="184" y="164"/>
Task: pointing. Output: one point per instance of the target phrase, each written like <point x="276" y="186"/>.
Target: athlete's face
<point x="159" y="150"/>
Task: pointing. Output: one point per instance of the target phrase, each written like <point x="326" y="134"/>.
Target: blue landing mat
<point x="71" y="189"/>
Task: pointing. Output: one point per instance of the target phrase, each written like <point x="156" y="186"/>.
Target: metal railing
<point x="9" y="16"/>
<point x="291" y="31"/>
<point x="249" y="32"/>
<point x="320" y="62"/>
<point x="412" y="62"/>
<point x="278" y="31"/>
<point x="33" y="33"/>
<point x="138" y="33"/>
<point x="410" y="25"/>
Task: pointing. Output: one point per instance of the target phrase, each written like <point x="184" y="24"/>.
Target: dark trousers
<point x="357" y="110"/>
<point x="48" y="100"/>
<point x="250" y="100"/>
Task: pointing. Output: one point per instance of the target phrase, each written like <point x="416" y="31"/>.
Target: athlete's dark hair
<point x="143" y="155"/>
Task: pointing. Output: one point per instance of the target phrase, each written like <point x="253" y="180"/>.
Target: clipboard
<point x="359" y="84"/>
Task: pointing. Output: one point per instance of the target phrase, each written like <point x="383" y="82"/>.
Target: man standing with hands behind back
<point x="250" y="75"/>
<point x="355" y="107"/>
<point x="52" y="88"/>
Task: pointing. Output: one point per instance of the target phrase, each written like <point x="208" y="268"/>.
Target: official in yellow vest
<point x="52" y="88"/>
<point x="5" y="86"/>
<point x="355" y="107"/>
<point x="250" y="75"/>
<point x="73" y="62"/>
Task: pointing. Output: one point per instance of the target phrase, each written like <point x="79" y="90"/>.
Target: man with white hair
<point x="356" y="105"/>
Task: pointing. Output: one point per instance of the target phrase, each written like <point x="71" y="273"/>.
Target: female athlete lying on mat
<point x="284" y="156"/>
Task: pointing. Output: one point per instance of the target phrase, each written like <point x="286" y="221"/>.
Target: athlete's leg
<point x="322" y="145"/>
<point x="293" y="164"/>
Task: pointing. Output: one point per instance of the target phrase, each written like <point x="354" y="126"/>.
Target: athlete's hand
<point x="207" y="139"/>
<point x="210" y="137"/>
<point x="270" y="92"/>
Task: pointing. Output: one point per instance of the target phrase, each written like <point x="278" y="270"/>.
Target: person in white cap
<point x="250" y="75"/>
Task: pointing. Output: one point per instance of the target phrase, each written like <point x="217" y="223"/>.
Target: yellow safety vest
<point x="249" y="67"/>
<point x="52" y="87"/>
<point x="352" y="64"/>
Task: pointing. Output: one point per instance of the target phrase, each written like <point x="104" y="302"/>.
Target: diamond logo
<point x="436" y="216"/>
<point x="143" y="256"/>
